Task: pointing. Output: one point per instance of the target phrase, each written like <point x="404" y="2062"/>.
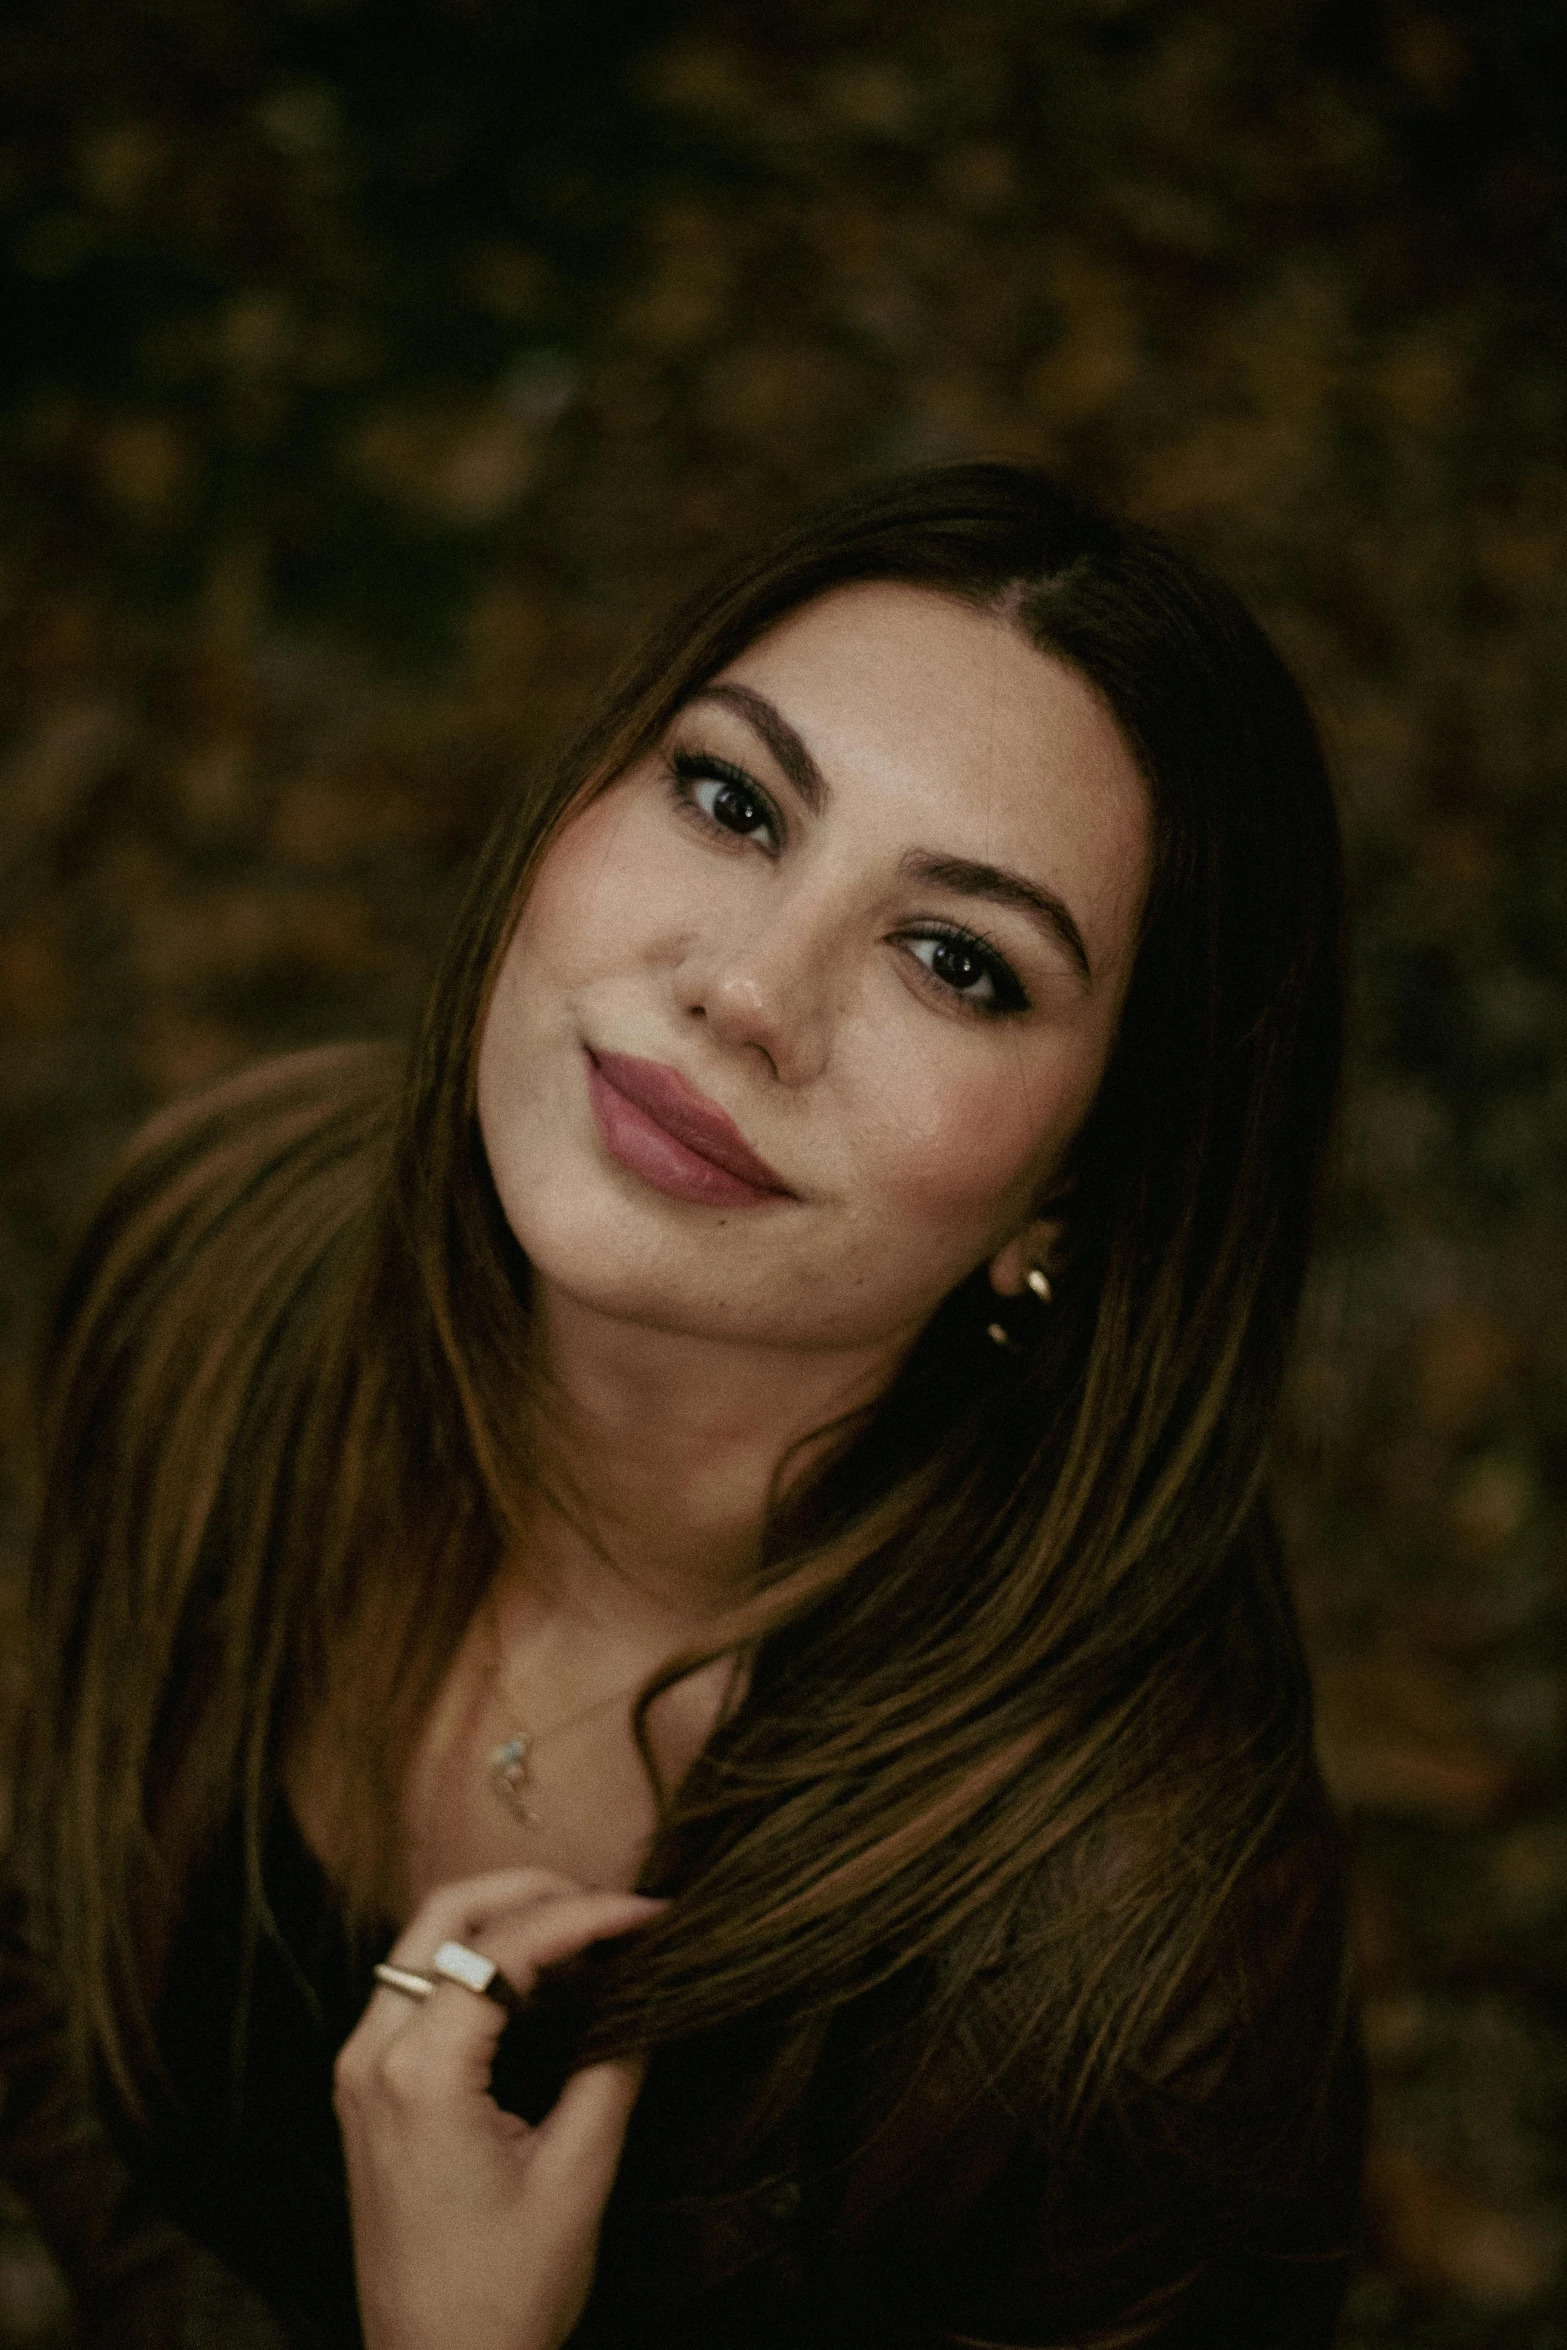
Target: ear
<point x="1035" y="1247"/>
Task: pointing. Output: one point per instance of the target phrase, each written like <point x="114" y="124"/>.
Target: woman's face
<point x="804" y="1011"/>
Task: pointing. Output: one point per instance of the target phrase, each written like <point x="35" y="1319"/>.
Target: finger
<point x="576" y="2148"/>
<point x="549" y="1931"/>
<point x="447" y="2042"/>
<point x="447" y="2045"/>
<point x="439" y="2056"/>
<point x="592" y="2110"/>
<point x="520" y="1947"/>
<point x="457" y="1912"/>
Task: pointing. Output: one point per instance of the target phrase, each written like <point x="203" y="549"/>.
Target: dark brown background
<point x="369" y="366"/>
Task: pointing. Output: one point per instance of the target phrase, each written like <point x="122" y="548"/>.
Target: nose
<point x="767" y="991"/>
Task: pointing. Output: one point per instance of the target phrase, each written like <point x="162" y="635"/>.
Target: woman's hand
<point x="470" y="2227"/>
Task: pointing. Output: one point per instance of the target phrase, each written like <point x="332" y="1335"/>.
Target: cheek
<point x="577" y="904"/>
<point x="593" y="905"/>
<point x="965" y="1151"/>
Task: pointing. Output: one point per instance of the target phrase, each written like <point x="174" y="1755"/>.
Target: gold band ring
<point x="403" y="1979"/>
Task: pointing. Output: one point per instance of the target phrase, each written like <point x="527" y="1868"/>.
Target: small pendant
<point x="509" y="1776"/>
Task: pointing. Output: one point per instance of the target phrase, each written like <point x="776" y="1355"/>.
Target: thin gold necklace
<point x="510" y="1769"/>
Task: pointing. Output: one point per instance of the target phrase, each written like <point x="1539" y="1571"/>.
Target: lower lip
<point x="650" y="1151"/>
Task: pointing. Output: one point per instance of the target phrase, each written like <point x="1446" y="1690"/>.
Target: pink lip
<point x="658" y="1125"/>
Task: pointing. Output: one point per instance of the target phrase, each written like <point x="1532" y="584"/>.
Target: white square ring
<point x="454" y="1962"/>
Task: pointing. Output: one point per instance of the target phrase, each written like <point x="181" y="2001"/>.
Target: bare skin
<point x="510" y="2263"/>
<point x="876" y="897"/>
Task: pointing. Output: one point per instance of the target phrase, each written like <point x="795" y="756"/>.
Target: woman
<point x="728" y="1501"/>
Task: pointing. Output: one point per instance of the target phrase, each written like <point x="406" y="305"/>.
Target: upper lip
<point x="663" y="1095"/>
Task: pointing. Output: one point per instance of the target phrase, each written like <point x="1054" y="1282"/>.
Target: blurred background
<point x="370" y="368"/>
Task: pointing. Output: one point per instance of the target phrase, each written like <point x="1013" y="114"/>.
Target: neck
<point x="661" y="1455"/>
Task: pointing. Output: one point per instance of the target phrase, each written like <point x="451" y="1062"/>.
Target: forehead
<point x="973" y="730"/>
<point x="908" y="668"/>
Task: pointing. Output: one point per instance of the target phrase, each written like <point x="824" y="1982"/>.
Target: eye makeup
<point x="734" y="804"/>
<point x="733" y="809"/>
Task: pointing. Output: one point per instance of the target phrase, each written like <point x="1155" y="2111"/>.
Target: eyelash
<point x="691" y="767"/>
<point x="1010" y="994"/>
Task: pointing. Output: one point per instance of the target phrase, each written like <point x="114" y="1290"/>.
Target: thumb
<point x="578" y="2143"/>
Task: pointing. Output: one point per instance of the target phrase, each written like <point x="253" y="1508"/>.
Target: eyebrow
<point x="971" y="880"/>
<point x="779" y="736"/>
<point x="965" y="876"/>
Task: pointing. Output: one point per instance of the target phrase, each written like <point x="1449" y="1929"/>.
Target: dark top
<point x="1216" y="2204"/>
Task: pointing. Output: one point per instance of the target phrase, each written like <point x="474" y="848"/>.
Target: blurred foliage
<point x="233" y="231"/>
<point x="370" y="371"/>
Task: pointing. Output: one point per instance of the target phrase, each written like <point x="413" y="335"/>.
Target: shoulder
<point x="185" y="1323"/>
<point x="1225" y="2002"/>
<point x="234" y="1189"/>
<point x="189" y="1168"/>
<point x="1208" y="2193"/>
<point x="1220" y="2177"/>
<point x="1250" y="2093"/>
<point x="201" y="1327"/>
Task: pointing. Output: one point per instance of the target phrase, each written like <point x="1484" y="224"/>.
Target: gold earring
<point x="1039" y="1283"/>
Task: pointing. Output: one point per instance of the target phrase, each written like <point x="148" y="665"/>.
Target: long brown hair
<point x="1032" y="1611"/>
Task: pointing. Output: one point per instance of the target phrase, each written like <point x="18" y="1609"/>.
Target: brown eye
<point x="956" y="964"/>
<point x="732" y="805"/>
<point x="726" y="797"/>
<point x="970" y="970"/>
